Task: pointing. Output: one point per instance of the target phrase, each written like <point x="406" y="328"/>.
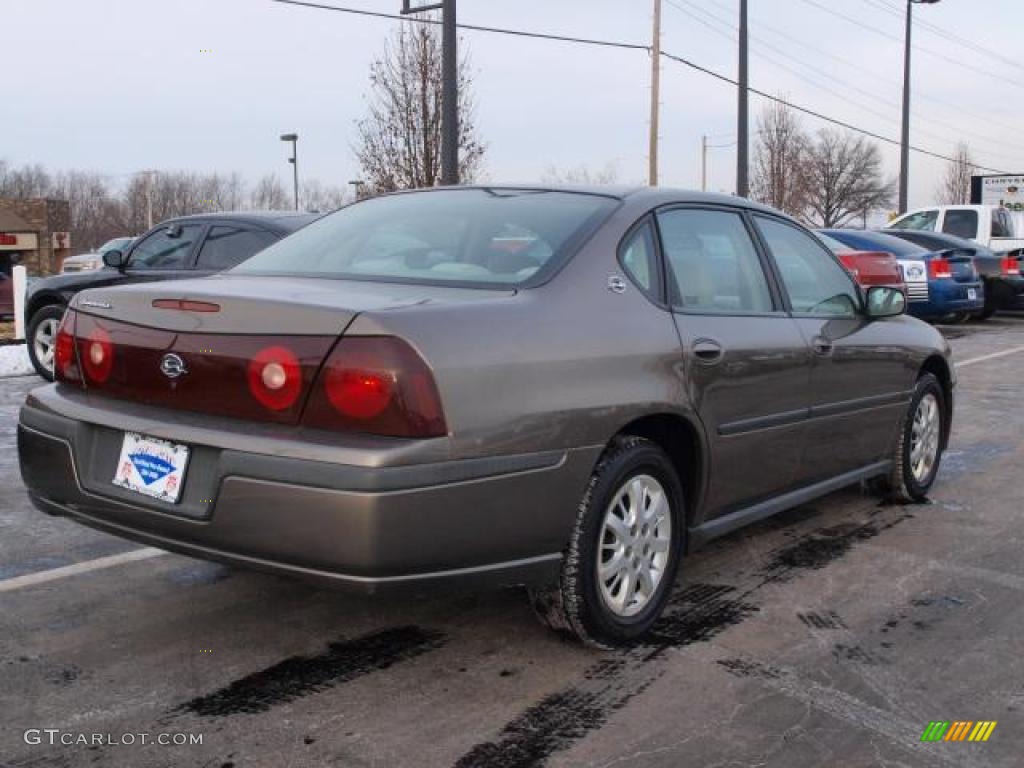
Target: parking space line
<point x="42" y="577"/>
<point x="994" y="355"/>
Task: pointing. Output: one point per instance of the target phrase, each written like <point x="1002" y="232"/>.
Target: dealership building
<point x="34" y="233"/>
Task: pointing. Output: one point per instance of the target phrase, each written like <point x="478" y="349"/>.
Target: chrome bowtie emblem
<point x="172" y="366"/>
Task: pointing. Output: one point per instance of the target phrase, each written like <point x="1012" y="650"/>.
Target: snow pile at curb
<point x="14" y="360"/>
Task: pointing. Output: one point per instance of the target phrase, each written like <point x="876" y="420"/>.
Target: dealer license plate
<point x="151" y="466"/>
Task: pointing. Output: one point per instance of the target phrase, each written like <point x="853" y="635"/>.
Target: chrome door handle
<point x="707" y="351"/>
<point x="821" y="345"/>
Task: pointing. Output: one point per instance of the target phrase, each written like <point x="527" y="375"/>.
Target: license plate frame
<point x="972" y="294"/>
<point x="152" y="467"/>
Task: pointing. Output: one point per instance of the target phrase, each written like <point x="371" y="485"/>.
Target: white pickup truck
<point x="990" y="225"/>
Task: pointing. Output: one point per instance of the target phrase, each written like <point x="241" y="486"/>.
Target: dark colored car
<point x="187" y="246"/>
<point x="940" y="285"/>
<point x="1004" y="285"/>
<point x="399" y="395"/>
<point x="867" y="267"/>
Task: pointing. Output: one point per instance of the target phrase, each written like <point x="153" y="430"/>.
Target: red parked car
<point x="867" y="267"/>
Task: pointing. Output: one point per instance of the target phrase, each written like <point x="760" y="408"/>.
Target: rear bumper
<point x="946" y="297"/>
<point x="1008" y="292"/>
<point x="474" y="522"/>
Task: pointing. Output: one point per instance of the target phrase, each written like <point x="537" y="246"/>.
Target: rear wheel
<point x="919" y="447"/>
<point x="42" y="338"/>
<point x="622" y="559"/>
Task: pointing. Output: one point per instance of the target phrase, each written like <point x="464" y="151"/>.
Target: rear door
<point x="746" y="362"/>
<point x="228" y="245"/>
<point x="859" y="382"/>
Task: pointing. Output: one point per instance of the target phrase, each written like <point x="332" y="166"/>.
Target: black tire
<point x="901" y="484"/>
<point x="574" y="603"/>
<point x="45" y="315"/>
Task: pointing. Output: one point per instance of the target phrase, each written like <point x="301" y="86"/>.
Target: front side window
<point x="167" y="249"/>
<point x="962" y="223"/>
<point x="225" y="247"/>
<point x="816" y="284"/>
<point x="924" y="220"/>
<point x="712" y="264"/>
<point x="469" y="236"/>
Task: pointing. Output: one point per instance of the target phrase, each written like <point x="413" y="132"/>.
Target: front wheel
<point x="919" y="447"/>
<point x="622" y="559"/>
<point x="42" y="338"/>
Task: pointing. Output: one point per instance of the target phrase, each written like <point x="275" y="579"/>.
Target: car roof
<point x="285" y="220"/>
<point x="650" y="195"/>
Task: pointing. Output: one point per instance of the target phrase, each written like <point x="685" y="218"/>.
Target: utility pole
<point x="905" y="137"/>
<point x="704" y="163"/>
<point x="149" y="197"/>
<point x="742" y="168"/>
<point x="652" y="152"/>
<point x="449" y="86"/>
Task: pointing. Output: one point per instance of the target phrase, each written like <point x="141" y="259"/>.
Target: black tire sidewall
<point x="50" y="311"/>
<point x="925" y="385"/>
<point x="599" y="621"/>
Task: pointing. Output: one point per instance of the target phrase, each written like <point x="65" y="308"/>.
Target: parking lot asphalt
<point x="830" y="635"/>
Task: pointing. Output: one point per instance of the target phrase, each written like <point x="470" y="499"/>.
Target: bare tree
<point x="843" y="179"/>
<point x="779" y="178"/>
<point x="319" y="197"/>
<point x="269" y="195"/>
<point x="581" y="174"/>
<point x="955" y="187"/>
<point x="24" y="182"/>
<point x="399" y="145"/>
<point x="96" y="214"/>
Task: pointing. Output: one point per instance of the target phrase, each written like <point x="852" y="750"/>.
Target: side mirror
<point x="883" y="301"/>
<point x="114" y="258"/>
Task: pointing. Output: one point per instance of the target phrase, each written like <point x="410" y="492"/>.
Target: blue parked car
<point x="940" y="284"/>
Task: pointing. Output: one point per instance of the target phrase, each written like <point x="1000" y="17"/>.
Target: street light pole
<point x="294" y="160"/>
<point x="652" y="150"/>
<point x="905" y="137"/>
<point x="449" y="85"/>
<point x="742" y="121"/>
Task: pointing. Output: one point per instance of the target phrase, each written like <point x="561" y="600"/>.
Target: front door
<point x="746" y="362"/>
<point x="859" y="381"/>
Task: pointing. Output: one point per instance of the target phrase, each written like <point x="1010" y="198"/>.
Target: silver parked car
<point x="567" y="389"/>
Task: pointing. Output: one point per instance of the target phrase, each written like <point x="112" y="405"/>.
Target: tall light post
<point x="449" y="85"/>
<point x="294" y="160"/>
<point x="357" y="188"/>
<point x="905" y="138"/>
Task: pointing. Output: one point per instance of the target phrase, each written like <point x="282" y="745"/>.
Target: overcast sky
<point x="120" y="85"/>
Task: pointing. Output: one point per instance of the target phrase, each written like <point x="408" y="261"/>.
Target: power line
<point x="629" y="46"/>
<point x="825" y="87"/>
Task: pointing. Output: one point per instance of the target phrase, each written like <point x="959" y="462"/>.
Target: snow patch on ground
<point x="14" y="360"/>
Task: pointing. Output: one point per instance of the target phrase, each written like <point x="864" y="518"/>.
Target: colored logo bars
<point x="958" y="730"/>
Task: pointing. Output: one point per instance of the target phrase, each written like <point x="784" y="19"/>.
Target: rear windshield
<point x="961" y="222"/>
<point x="450" y="236"/>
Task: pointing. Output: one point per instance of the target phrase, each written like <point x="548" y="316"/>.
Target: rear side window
<point x="712" y="264"/>
<point x="962" y="223"/>
<point x="1001" y="223"/>
<point x="924" y="220"/>
<point x="225" y="247"/>
<point x="168" y="248"/>
<point x="640" y="260"/>
<point x="816" y="284"/>
<point x="501" y="237"/>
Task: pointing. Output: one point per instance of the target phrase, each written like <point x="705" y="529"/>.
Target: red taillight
<point x="939" y="268"/>
<point x="64" y="368"/>
<point x="378" y="385"/>
<point x="97" y="354"/>
<point x="275" y="378"/>
<point x="1011" y="266"/>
